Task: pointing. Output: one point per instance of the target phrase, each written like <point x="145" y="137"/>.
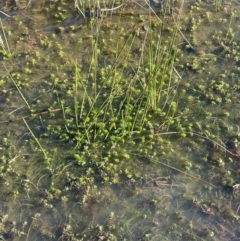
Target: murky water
<point x="87" y="154"/>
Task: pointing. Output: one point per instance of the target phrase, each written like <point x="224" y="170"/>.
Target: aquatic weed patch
<point x="112" y="109"/>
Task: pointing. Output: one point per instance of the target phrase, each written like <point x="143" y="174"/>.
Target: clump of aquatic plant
<point x="117" y="103"/>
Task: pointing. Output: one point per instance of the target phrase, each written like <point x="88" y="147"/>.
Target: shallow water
<point x="65" y="178"/>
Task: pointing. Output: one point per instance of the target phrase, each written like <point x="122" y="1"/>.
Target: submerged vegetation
<point x="119" y="120"/>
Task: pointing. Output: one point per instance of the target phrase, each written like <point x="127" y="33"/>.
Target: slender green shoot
<point x="77" y="77"/>
<point x="217" y="4"/>
<point x="20" y="92"/>
<point x="187" y="174"/>
<point x="199" y="135"/>
<point x="35" y="138"/>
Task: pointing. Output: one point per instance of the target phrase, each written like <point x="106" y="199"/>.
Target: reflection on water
<point x="78" y="177"/>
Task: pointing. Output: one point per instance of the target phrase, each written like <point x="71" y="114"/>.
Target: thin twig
<point x="179" y="76"/>
<point x="36" y="114"/>
<point x="187" y="174"/>
<point x="5" y="36"/>
<point x="111" y="9"/>
<point x="5" y="14"/>
<point x="204" y="137"/>
<point x="76" y="6"/>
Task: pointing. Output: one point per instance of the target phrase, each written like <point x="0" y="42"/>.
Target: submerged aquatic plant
<point x="117" y="109"/>
<point x="116" y="103"/>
